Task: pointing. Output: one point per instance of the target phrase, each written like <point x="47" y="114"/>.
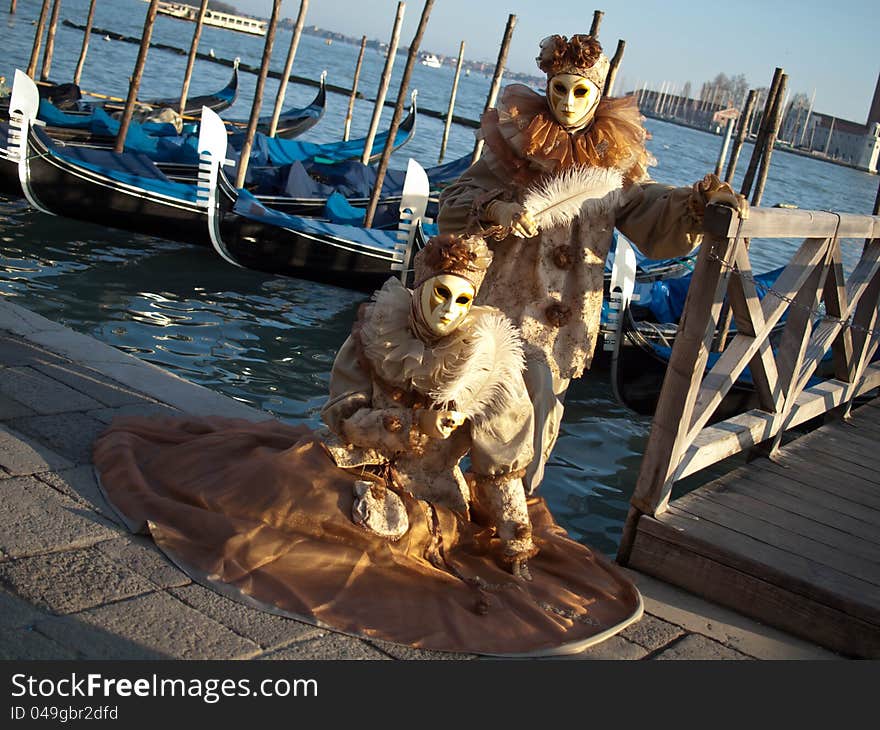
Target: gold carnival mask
<point x="446" y="300"/>
<point x="573" y="99"/>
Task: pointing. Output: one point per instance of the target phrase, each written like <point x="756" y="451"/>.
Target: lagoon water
<point x="270" y="341"/>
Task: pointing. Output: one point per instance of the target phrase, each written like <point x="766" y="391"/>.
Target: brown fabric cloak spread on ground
<point x="259" y="512"/>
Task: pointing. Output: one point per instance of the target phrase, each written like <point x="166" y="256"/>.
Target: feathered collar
<point x="473" y="369"/>
<point x="528" y="143"/>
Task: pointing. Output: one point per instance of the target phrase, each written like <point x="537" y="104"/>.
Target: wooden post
<point x="85" y="45"/>
<point x="383" y="84"/>
<point x="772" y="132"/>
<point x="752" y="169"/>
<point x="451" y="103"/>
<point x="191" y="59"/>
<point x="612" y="70"/>
<point x="285" y="76"/>
<point x="258" y="96"/>
<point x="722" y="155"/>
<point x="38" y="39"/>
<point x="50" y="41"/>
<point x="133" y="87"/>
<point x="398" y="112"/>
<point x="12" y="6"/>
<point x="354" y="88"/>
<point x="597" y="20"/>
<point x="741" y="130"/>
<point x="496" y="78"/>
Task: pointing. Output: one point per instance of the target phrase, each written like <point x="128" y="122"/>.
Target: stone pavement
<point x="75" y="584"/>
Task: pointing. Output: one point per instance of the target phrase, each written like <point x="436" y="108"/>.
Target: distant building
<point x="850" y="142"/>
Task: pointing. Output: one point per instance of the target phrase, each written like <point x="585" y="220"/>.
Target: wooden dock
<point x="792" y="540"/>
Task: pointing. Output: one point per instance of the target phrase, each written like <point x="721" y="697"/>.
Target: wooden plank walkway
<point x="793" y="542"/>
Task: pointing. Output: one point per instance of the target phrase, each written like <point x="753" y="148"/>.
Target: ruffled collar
<point x="473" y="368"/>
<point x="526" y="142"/>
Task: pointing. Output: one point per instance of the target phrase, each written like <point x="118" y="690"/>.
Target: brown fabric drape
<point x="260" y="512"/>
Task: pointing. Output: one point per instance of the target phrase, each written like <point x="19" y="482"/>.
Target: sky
<point x="829" y="47"/>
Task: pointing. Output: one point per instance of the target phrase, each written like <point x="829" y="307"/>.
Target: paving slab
<point x="651" y="632"/>
<point x="141" y="555"/>
<point x="106" y="415"/>
<point x="614" y="648"/>
<point x="91" y="383"/>
<point x="15" y="351"/>
<point x="21" y="454"/>
<point x="29" y="644"/>
<point x="266" y="629"/>
<point x="42" y="394"/>
<point x="36" y="519"/>
<point x="16" y="613"/>
<point x="151" y="626"/>
<point x="80" y="484"/>
<point x="327" y="645"/>
<point x="696" y="646"/>
<point x="70" y="434"/>
<point x="11" y="408"/>
<point x="398" y="651"/>
<point x="71" y="581"/>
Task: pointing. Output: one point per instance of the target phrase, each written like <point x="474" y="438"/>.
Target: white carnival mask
<point x="573" y="99"/>
<point x="445" y="301"/>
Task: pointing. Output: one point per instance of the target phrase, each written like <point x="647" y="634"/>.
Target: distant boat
<point x="241" y="23"/>
<point x="431" y="61"/>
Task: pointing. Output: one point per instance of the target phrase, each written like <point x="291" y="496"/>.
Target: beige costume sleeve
<point x="463" y="203"/>
<point x="663" y="221"/>
<point x="349" y="414"/>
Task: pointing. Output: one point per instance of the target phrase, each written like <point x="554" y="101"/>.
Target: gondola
<point x="127" y="191"/>
<point x="218" y="101"/>
<point x="248" y="234"/>
<point x="646" y="335"/>
<point x="296" y="121"/>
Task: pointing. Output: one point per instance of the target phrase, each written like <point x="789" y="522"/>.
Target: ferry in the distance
<point x="240" y="23"/>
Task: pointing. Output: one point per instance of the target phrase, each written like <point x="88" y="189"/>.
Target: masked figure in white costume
<point x="549" y="254"/>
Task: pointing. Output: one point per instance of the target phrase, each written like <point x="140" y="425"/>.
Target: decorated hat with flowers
<point x="449" y="253"/>
<point x="581" y="55"/>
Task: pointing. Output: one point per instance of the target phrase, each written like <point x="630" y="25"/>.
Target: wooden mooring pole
<point x="258" y="96"/>
<point x="288" y="65"/>
<point x="614" y="66"/>
<point x="38" y="39"/>
<point x="772" y="132"/>
<point x="12" y="6"/>
<point x="451" y="103"/>
<point x="496" y="78"/>
<point x="383" y="83"/>
<point x="722" y="154"/>
<point x="597" y="21"/>
<point x="741" y="130"/>
<point x="191" y="59"/>
<point x="133" y="87"/>
<point x="398" y="112"/>
<point x="85" y="44"/>
<point x="346" y="131"/>
<point x="761" y="140"/>
<point x="50" y="41"/>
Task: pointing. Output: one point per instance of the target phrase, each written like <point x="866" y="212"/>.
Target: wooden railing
<point x="682" y="441"/>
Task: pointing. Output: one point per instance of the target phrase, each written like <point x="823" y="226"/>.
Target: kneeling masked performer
<point x="371" y="527"/>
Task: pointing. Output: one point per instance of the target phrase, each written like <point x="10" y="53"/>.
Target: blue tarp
<point x="129" y="168"/>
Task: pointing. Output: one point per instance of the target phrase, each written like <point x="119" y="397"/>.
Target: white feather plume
<point x="485" y="378"/>
<point x="561" y="199"/>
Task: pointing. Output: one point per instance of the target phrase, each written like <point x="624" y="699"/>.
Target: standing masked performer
<point x="372" y="528"/>
<point x="559" y="172"/>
